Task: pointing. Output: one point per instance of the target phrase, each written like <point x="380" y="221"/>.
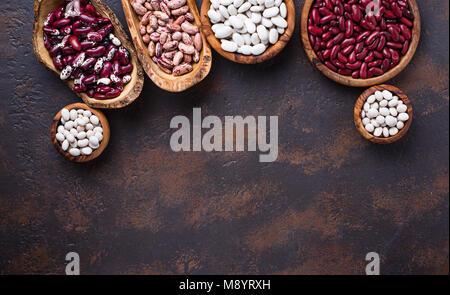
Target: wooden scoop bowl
<point x="359" y="106"/>
<point x="348" y="80"/>
<point x="130" y="92"/>
<point x="103" y="144"/>
<point x="248" y="59"/>
<point x="161" y="79"/>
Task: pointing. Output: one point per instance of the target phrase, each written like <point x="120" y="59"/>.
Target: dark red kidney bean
<point x="405" y="47"/>
<point x="324" y="11"/>
<point x="327" y="53"/>
<point x="89" y="80"/>
<point x="363" y="71"/>
<point x="87" y="44"/>
<point x="315" y="15"/>
<point x="362" y="54"/>
<point x="320" y="56"/>
<point x="348" y="28"/>
<point x="386" y="53"/>
<point x="50" y="18"/>
<point x="359" y="47"/>
<point x="59" y="12"/>
<point x="406" y="21"/>
<point x="126" y="69"/>
<point x="328" y="4"/>
<point x="376" y="71"/>
<point x="107" y="66"/>
<point x="66" y="60"/>
<point x="330" y="65"/>
<point x="408" y="14"/>
<point x="372" y="37"/>
<point x="334" y="51"/>
<point x="88" y="19"/>
<point x="361" y="37"/>
<point x="347" y="50"/>
<point x="383" y="24"/>
<point x="352" y="57"/>
<point x="75" y="43"/>
<point x="316" y="46"/>
<point x="315" y="30"/>
<point x="338" y="38"/>
<point x="394" y="56"/>
<point x="394" y="45"/>
<point x="79" y="88"/>
<point x="385" y="64"/>
<point x="369" y="57"/>
<point x="327" y="36"/>
<point x="342" y="58"/>
<point x="375" y="63"/>
<point x="367" y="25"/>
<point x="88" y="63"/>
<point x="389" y="14"/>
<point x="373" y="45"/>
<point x="335" y="30"/>
<point x="76" y="24"/>
<point x="341" y="22"/>
<point x="47" y="43"/>
<point x="66" y="30"/>
<point x="381" y="43"/>
<point x="353" y="66"/>
<point x="312" y="40"/>
<point x="356" y="13"/>
<point x="90" y="9"/>
<point x="61" y="23"/>
<point x="378" y="54"/>
<point x="96" y="52"/>
<point x="394" y="33"/>
<point x="355" y="74"/>
<point x="54" y="51"/>
<point x="90" y="92"/>
<point x="82" y="31"/>
<point x="347" y="42"/>
<point x="345" y="72"/>
<point x="327" y="19"/>
<point x="405" y="31"/>
<point x="99" y="96"/>
<point x="338" y="64"/>
<point x="113" y="93"/>
<point x="103" y="89"/>
<point x="396" y="9"/>
<point x="329" y="44"/>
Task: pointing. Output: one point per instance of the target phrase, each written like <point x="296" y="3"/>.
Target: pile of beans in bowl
<point x="360" y="38"/>
<point x="83" y="47"/>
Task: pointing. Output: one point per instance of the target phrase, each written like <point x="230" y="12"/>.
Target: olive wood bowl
<point x="130" y="92"/>
<point x="270" y="52"/>
<point x="348" y="80"/>
<point x="163" y="80"/>
<point x="103" y="144"/>
<point x="360" y="103"/>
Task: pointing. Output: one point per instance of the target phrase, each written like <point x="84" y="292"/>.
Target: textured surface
<point x="140" y="208"/>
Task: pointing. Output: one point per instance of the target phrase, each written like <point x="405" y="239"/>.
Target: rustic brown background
<point x="142" y="209"/>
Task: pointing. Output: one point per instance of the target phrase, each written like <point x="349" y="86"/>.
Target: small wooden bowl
<point x="130" y="92"/>
<point x="359" y="106"/>
<point x="161" y="79"/>
<point x="103" y="144"/>
<point x="347" y="80"/>
<point x="248" y="59"/>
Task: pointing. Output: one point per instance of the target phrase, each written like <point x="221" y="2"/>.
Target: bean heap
<point x="80" y="132"/>
<point x="248" y="27"/>
<point x="384" y="114"/>
<point x="174" y="41"/>
<point x="360" y="38"/>
<point x="83" y="47"/>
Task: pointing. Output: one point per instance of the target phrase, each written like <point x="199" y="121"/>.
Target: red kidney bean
<point x="353" y="66"/>
<point x="355" y="74"/>
<point x="347" y="50"/>
<point x="338" y="64"/>
<point x="381" y="43"/>
<point x="378" y="54"/>
<point x="361" y="37"/>
<point x="363" y="71"/>
<point x="352" y="57"/>
<point x="327" y="36"/>
<point x="88" y="63"/>
<point x="375" y="63"/>
<point x="315" y="30"/>
<point x="103" y="89"/>
<point x="376" y="71"/>
<point x="89" y="79"/>
<point x="386" y="53"/>
<point x="406" y="21"/>
<point x="356" y="13"/>
<point x="348" y="28"/>
<point x="394" y="33"/>
<point x="330" y="65"/>
<point x="329" y="44"/>
<point x="373" y="45"/>
<point x="405" y="31"/>
<point x="87" y="44"/>
<point x="113" y="93"/>
<point x="324" y="11"/>
<point x="362" y="54"/>
<point x="82" y="31"/>
<point x="372" y="37"/>
<point x="342" y="58"/>
<point x="75" y="43"/>
<point x="99" y="96"/>
<point x="126" y="69"/>
<point x="367" y="25"/>
<point x="369" y="57"/>
<point x="107" y="66"/>
<point x="58" y="63"/>
<point x="327" y="19"/>
<point x="405" y="47"/>
<point x="326" y="53"/>
<point x="315" y="15"/>
<point x="54" y="51"/>
<point x="124" y="56"/>
<point x="394" y="56"/>
<point x="61" y="23"/>
<point x="88" y="19"/>
<point x="347" y="42"/>
<point x="394" y="45"/>
<point x="345" y="72"/>
<point x="385" y="65"/>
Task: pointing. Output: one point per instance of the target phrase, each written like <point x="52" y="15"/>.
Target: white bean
<point x="229" y="46"/>
<point x="74" y="152"/>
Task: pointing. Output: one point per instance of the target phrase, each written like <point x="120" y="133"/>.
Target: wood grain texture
<point x="250" y="59"/>
<point x="347" y="80"/>
<point x="130" y="92"/>
<point x="103" y="144"/>
<point x="360" y="103"/>
<point x="161" y="79"/>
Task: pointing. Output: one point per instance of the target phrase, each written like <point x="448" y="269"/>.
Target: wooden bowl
<point x="360" y="103"/>
<point x="103" y="144"/>
<point x="248" y="59"/>
<point x="130" y="92"/>
<point x="161" y="79"/>
<point x="347" y="80"/>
